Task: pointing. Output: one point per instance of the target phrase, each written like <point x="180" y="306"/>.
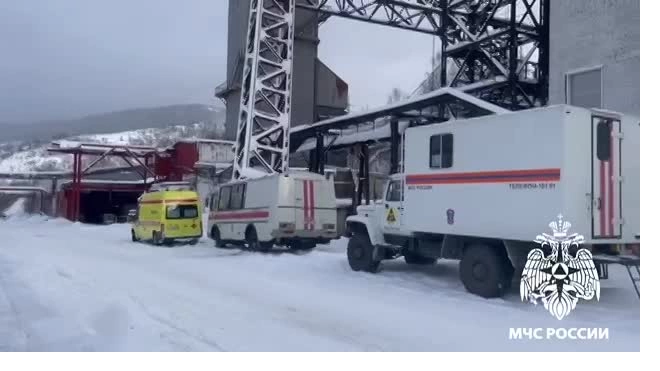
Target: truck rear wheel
<point x="360" y="253"/>
<point x="483" y="271"/>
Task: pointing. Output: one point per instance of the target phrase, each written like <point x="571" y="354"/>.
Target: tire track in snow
<point x="173" y="326"/>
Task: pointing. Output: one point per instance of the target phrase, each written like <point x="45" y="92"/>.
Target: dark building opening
<point x="96" y="206"/>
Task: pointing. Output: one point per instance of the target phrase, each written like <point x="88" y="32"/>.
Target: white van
<point x="297" y="209"/>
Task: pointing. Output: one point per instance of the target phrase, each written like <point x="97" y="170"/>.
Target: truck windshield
<point x="181" y="212"/>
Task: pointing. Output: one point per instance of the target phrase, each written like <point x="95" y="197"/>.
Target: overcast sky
<point x="67" y="58"/>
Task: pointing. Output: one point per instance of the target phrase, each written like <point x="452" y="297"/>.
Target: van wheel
<point x="416" y="259"/>
<point x="215" y="235"/>
<point x="360" y="253"/>
<point x="133" y="237"/>
<point x="483" y="271"/>
<point x="253" y="242"/>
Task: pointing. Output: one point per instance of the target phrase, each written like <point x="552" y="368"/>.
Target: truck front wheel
<point x="483" y="271"/>
<point x="360" y="254"/>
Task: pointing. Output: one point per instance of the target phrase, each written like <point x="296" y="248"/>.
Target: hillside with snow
<point x="39" y="159"/>
<point x="31" y="155"/>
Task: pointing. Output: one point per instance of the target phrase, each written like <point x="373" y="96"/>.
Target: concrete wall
<point x="331" y="92"/>
<point x="215" y="152"/>
<point x="587" y="33"/>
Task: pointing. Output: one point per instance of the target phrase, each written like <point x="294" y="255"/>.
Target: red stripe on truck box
<point x="503" y="176"/>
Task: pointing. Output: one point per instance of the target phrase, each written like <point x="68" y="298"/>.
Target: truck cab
<point x="379" y="231"/>
<point x="385" y="217"/>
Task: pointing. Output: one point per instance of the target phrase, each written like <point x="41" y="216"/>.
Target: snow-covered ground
<point x="73" y="287"/>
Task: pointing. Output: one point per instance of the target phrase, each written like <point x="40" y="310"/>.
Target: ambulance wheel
<point x="133" y="237"/>
<point x="253" y="242"/>
<point x="156" y="238"/>
<point x="483" y="271"/>
<point x="416" y="259"/>
<point x="360" y="253"/>
<point x="194" y="242"/>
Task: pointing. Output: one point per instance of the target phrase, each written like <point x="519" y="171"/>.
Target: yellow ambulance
<point x="166" y="216"/>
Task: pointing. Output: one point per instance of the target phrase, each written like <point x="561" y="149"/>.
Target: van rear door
<point x="183" y="220"/>
<point x="306" y="196"/>
<point x="606" y="177"/>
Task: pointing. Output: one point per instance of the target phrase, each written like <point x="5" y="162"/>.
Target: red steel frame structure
<point x="141" y="155"/>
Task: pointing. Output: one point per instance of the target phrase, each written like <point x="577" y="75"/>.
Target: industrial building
<point x="594" y="54"/>
<point x="515" y="54"/>
<point x="518" y="54"/>
<point x="318" y="93"/>
<point x="100" y="195"/>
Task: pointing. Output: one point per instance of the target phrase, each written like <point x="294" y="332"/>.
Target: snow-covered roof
<point x="69" y="146"/>
<point x="379" y="116"/>
<point x="23" y="189"/>
<point x="104" y="181"/>
<point x="365" y="133"/>
<point x="459" y="95"/>
<point x="210" y="141"/>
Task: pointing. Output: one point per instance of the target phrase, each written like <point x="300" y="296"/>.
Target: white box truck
<point x="481" y="189"/>
<point x="297" y="209"/>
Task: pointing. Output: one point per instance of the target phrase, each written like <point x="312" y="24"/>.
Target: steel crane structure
<point x="498" y="47"/>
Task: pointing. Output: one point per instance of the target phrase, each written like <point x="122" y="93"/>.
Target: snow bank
<point x="17" y="209"/>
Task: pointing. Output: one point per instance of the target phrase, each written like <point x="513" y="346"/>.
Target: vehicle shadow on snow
<point x="209" y="250"/>
<point x="275" y="251"/>
<point x="441" y="278"/>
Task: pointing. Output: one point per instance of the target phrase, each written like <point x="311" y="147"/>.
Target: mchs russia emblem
<point x="559" y="279"/>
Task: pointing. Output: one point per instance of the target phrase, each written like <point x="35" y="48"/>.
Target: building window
<point x="584" y="88"/>
<point x="442" y="151"/>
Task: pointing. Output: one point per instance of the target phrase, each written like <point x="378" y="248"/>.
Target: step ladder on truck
<point x="626" y="256"/>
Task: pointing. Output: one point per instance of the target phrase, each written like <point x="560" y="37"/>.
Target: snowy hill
<point x="112" y="122"/>
<point x="168" y="124"/>
<point x="37" y="158"/>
